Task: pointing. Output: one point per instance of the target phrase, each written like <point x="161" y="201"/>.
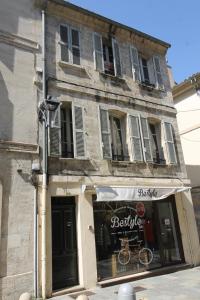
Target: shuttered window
<point x="105" y="134"/>
<point x="158" y="73"/>
<point x="146" y="140"/>
<point x="135" y="64"/>
<point x="116" y="54"/>
<point x="107" y="55"/>
<point x="135" y="138"/>
<point x="69" y="45"/>
<point x="98" y="52"/>
<point x="75" y="46"/>
<point x="152" y="77"/>
<point x="156" y="142"/>
<point x="64" y="43"/>
<point x="169" y="140"/>
<point x="55" y="133"/>
<point x="79" y="134"/>
<point x="145" y="70"/>
<point x="67" y="133"/>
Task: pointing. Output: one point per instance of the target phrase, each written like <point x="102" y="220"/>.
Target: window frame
<point x="70" y="127"/>
<point x="121" y="119"/>
<point x="70" y="46"/>
<point x="133" y="64"/>
<point x="172" y="142"/>
<point x="112" y="41"/>
<point x="139" y="137"/>
<point x="151" y="69"/>
<point x="100" y="52"/>
<point x="141" y="58"/>
<point x="157" y="123"/>
<point x="108" y="133"/>
<point x="158" y="86"/>
<point x="74" y="130"/>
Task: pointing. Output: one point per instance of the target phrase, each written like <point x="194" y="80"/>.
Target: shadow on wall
<point x="6" y="121"/>
<point x="16" y="17"/>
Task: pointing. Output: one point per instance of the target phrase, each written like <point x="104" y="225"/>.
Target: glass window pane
<point x="99" y="63"/>
<point x="64" y="34"/>
<point x="75" y="37"/>
<point x="132" y="237"/>
<point x="97" y="43"/>
<point x="64" y="53"/>
<point x="76" y="56"/>
<point x="172" y="153"/>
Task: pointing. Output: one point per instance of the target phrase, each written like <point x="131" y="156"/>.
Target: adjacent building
<point x="93" y="181"/>
<point x="187" y="102"/>
<point x="20" y="26"/>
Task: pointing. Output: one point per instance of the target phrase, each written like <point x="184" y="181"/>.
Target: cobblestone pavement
<point x="181" y="285"/>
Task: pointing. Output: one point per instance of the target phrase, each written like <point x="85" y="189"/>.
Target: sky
<point x="174" y="21"/>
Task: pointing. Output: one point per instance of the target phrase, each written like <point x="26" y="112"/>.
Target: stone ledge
<point x="18" y="41"/>
<point x="103" y="94"/>
<point x="10" y="146"/>
<point x="73" y="69"/>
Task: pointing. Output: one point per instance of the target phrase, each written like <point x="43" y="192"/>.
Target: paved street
<point x="181" y="285"/>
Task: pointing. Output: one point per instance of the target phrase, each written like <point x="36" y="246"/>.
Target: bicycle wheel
<point x="124" y="257"/>
<point x="145" y="256"/>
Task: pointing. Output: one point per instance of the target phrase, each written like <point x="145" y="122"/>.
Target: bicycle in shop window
<point x="134" y="253"/>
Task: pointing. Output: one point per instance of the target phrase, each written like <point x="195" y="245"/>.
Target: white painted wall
<point x="188" y="117"/>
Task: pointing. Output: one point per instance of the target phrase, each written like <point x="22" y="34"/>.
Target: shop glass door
<point x="170" y="248"/>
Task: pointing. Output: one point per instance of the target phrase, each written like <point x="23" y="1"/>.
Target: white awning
<point x="129" y="193"/>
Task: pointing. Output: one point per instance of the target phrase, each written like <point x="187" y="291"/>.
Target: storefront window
<point x="132" y="237"/>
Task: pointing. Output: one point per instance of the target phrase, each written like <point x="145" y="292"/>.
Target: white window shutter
<point x="75" y="46"/>
<point x="54" y="133"/>
<point x="146" y="140"/>
<point x="78" y="131"/>
<point x="105" y="134"/>
<point x="169" y="140"/>
<point x="98" y="52"/>
<point x="135" y="64"/>
<point x="135" y="138"/>
<point x="116" y="56"/>
<point x="64" y="43"/>
<point x="158" y="72"/>
<point x="152" y="77"/>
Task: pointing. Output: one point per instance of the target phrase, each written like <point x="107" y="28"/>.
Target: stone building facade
<point x="114" y="199"/>
<point x="19" y="47"/>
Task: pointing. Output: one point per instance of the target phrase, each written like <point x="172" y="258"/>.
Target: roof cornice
<point x="104" y="19"/>
<point x="191" y="83"/>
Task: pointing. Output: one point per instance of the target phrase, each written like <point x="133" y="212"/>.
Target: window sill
<point x="150" y="87"/>
<point x="74" y="69"/>
<point x="73" y="158"/>
<point x="128" y="162"/>
<point x="112" y="77"/>
<point x="125" y="163"/>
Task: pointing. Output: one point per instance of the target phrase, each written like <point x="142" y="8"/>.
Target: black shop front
<point x="135" y="236"/>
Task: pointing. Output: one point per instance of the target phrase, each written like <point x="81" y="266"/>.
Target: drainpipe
<point x="1" y="209"/>
<point x="44" y="167"/>
<point x="35" y="244"/>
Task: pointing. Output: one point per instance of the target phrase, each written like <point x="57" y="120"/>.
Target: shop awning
<point x="128" y="193"/>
